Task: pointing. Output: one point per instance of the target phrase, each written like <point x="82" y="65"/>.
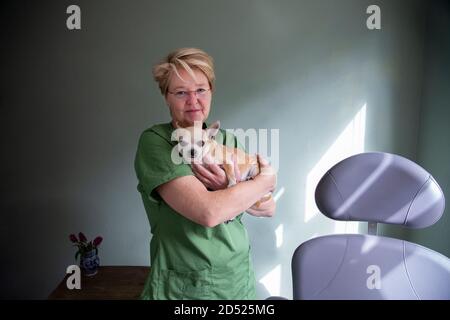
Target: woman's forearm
<point x="227" y="203"/>
<point x="189" y="197"/>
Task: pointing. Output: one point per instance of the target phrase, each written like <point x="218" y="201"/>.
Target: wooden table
<point x="110" y="283"/>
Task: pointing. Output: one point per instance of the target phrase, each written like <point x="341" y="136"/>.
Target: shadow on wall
<point x="32" y="270"/>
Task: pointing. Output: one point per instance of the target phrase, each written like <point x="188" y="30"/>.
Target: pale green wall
<point x="74" y="102"/>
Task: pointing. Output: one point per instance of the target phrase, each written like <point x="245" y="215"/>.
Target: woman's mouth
<point x="194" y="111"/>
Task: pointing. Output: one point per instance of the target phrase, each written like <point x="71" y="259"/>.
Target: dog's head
<point x="194" y="142"/>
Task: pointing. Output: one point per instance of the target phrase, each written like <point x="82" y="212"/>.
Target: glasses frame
<point x="197" y="94"/>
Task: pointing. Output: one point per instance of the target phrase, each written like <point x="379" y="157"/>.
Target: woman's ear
<point x="213" y="130"/>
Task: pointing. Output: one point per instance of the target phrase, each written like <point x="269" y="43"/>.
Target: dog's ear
<point x="213" y="130"/>
<point x="179" y="134"/>
<point x="176" y="135"/>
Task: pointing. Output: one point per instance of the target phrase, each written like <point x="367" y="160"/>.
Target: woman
<point x="196" y="251"/>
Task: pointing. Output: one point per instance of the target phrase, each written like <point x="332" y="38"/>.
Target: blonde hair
<point x="188" y="59"/>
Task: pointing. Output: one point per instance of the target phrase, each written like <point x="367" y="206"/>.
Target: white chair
<point x="376" y="188"/>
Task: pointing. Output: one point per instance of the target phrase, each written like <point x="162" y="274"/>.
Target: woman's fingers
<point x="262" y="161"/>
<point x="201" y="171"/>
<point x="212" y="176"/>
<point x="218" y="176"/>
<point x="201" y="177"/>
<point x="264" y="165"/>
<point x="215" y="169"/>
<point x="265" y="209"/>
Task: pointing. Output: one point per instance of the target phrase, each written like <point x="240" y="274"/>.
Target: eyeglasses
<point x="184" y="94"/>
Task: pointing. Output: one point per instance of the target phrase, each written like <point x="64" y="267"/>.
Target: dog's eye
<point x="201" y="143"/>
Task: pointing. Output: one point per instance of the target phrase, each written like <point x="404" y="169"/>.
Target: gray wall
<point x="434" y="150"/>
<point x="73" y="104"/>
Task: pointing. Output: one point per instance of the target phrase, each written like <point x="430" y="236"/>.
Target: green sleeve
<point x="239" y="145"/>
<point x="230" y="140"/>
<point x="154" y="165"/>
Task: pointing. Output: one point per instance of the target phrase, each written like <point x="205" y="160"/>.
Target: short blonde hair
<point x="188" y="59"/>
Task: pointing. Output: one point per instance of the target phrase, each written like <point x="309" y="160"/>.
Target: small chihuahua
<point x="197" y="145"/>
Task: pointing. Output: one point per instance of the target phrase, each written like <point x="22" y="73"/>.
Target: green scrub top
<point x="188" y="260"/>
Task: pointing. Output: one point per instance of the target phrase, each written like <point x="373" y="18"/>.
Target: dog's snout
<point x="192" y="153"/>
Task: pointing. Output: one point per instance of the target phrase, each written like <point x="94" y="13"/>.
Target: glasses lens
<point x="199" y="93"/>
<point x="181" y="94"/>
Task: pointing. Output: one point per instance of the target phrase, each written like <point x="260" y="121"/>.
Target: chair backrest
<point x="374" y="187"/>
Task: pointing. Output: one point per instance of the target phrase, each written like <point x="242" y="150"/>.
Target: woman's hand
<point x="265" y="209"/>
<point x="267" y="175"/>
<point x="212" y="175"/>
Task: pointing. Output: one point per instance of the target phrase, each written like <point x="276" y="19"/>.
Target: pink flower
<point x="97" y="241"/>
<point x="83" y="245"/>
<point x="73" y="238"/>
<point x="82" y="237"/>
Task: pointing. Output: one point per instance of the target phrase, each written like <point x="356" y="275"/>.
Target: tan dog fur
<point x="197" y="145"/>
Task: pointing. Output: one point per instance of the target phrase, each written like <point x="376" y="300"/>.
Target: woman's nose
<point x="192" y="98"/>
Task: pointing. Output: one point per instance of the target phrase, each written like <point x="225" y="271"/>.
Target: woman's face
<point x="189" y="100"/>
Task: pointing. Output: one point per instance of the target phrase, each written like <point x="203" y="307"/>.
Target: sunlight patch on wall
<point x="271" y="281"/>
<point x="346" y="227"/>
<point x="279" y="235"/>
<point x="278" y="194"/>
<point x="349" y="142"/>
